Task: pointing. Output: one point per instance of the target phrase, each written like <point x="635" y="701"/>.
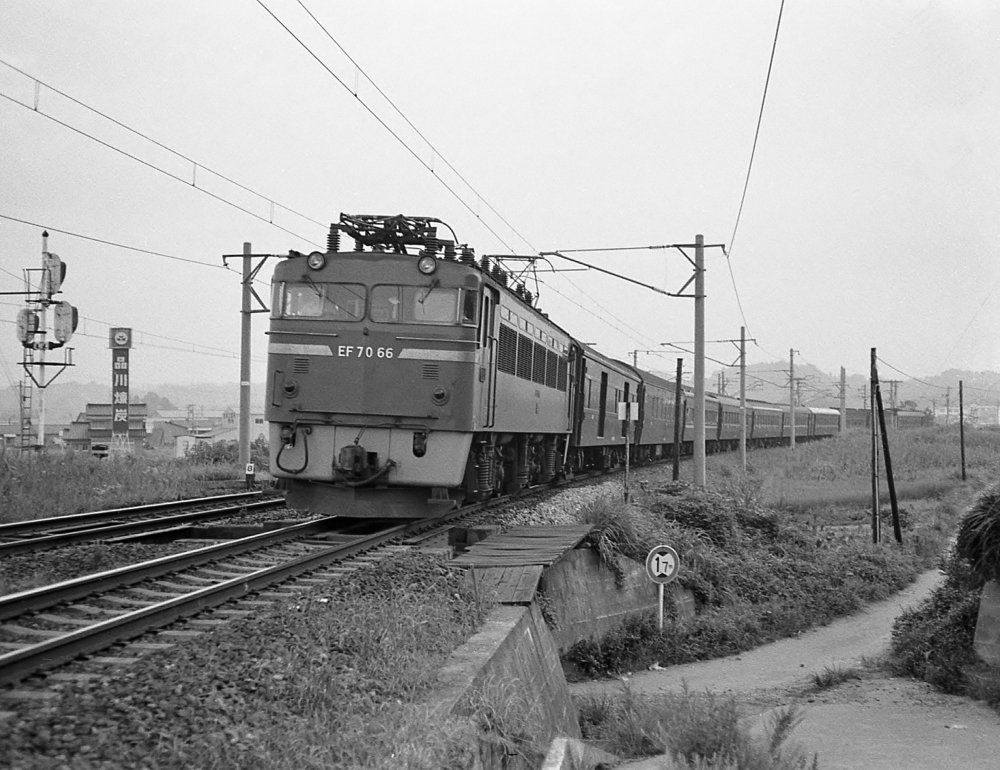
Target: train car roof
<point x="820" y="410"/>
<point x="619" y="366"/>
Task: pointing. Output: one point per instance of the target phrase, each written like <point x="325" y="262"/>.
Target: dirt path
<point x="875" y="723"/>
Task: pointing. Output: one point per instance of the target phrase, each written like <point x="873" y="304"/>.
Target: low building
<point x="91" y="431"/>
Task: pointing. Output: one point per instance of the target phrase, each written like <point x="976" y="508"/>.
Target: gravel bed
<point x="32" y="570"/>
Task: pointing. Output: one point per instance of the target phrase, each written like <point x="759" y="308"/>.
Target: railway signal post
<point x="33" y="333"/>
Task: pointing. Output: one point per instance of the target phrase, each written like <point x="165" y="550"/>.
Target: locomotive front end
<point x="372" y="362"/>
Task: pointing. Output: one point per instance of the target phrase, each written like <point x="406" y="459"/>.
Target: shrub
<point x="979" y="536"/>
<point x="933" y="641"/>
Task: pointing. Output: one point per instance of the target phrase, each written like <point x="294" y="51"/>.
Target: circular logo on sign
<point x="121" y="337"/>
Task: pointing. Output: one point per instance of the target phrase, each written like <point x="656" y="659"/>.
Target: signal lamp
<point x="316" y="260"/>
<point x="427" y="264"/>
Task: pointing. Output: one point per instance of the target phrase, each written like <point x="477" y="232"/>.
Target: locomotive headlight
<point x="427" y="264"/>
<point x="316" y="260"/>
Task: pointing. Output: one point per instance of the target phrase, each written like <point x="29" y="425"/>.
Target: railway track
<point x="48" y="627"/>
<point x="42" y="534"/>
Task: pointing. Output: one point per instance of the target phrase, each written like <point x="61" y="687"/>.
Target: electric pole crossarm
<point x="607" y="272"/>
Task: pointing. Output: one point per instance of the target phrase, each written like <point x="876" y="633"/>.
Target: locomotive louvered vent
<point x="300" y="366"/>
<point x="551" y="365"/>
<point x="431" y="371"/>
<point x="525" y="354"/>
<point x="507" y="354"/>
<point x="538" y="370"/>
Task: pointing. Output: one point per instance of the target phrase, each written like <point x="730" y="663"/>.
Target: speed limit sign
<point x="662" y="564"/>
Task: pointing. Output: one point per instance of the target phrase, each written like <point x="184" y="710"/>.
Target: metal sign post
<point x="662" y="565"/>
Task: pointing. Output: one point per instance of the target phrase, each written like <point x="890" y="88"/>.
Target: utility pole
<point x="249" y="274"/>
<point x="743" y="399"/>
<point x="843" y="399"/>
<point x="678" y="419"/>
<point x="961" y="425"/>
<point x="245" y="363"/>
<point x="791" y="394"/>
<point x="699" y="360"/>
<point x="947" y="407"/>
<point x="876" y="522"/>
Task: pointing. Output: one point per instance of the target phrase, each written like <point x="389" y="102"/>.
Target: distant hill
<point x="65" y="400"/>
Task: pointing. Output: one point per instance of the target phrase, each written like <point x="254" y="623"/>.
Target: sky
<point x="870" y="218"/>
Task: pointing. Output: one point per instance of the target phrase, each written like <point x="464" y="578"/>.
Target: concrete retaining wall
<point x="987" y="640"/>
<point x="512" y="668"/>
<point x="584" y="600"/>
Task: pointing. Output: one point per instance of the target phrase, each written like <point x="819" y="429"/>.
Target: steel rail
<point x="20" y="664"/>
<point x="44" y="597"/>
<point x="74" y="519"/>
<point x="143" y="525"/>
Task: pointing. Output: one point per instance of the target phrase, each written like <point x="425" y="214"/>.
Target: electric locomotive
<point x="405" y="376"/>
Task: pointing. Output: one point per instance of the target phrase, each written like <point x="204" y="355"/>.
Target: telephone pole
<point x="843" y="399"/>
<point x="743" y="399"/>
<point x="699" y="360"/>
<point x="791" y="394"/>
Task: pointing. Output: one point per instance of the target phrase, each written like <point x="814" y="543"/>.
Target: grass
<point x="926" y="464"/>
<point x="697" y="730"/>
<point x="756" y="574"/>
<point x="780" y="548"/>
<point x="834" y="676"/>
<point x="335" y="678"/>
<point x="37" y="486"/>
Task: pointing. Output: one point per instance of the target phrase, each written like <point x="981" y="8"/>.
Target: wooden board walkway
<point x="507" y="567"/>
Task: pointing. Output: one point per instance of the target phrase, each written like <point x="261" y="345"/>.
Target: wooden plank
<point x="524" y="546"/>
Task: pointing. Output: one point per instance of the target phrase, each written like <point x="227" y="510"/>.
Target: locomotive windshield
<point x="431" y="304"/>
<point x="332" y="301"/>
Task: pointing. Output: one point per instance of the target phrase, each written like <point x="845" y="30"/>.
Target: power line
<point x="208" y="352"/>
<point x="415" y="129"/>
<point x="386" y="126"/>
<point x="760" y="118"/>
<point x="746" y="182"/>
<point x="154" y="167"/>
<point x="110" y="243"/>
<point x="160" y="144"/>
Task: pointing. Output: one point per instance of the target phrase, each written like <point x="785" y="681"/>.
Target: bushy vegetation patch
<point x="335" y="678"/>
<point x="934" y="641"/>
<point x="978" y="541"/>
<point x="696" y="730"/>
<point x="756" y="575"/>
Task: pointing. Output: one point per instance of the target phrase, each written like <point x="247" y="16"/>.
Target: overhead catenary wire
<point x="385" y="125"/>
<point x="112" y="243"/>
<point x="159" y="144"/>
<point x="163" y="171"/>
<point x="418" y="132"/>
<point x="746" y="181"/>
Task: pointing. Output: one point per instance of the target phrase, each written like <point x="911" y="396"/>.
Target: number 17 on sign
<point x="662" y="566"/>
